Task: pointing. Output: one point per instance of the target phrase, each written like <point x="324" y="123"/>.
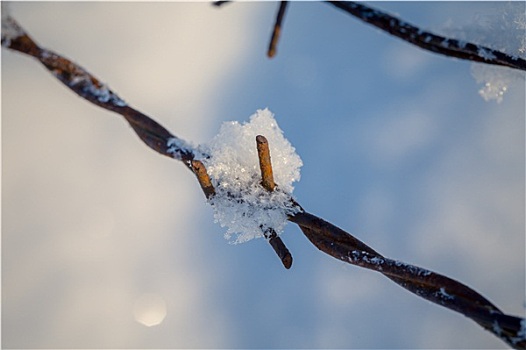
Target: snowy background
<point x="100" y="235"/>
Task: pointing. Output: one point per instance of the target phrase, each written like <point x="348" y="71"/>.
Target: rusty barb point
<point x="267" y="182"/>
<point x="204" y="180"/>
<point x="272" y="48"/>
<point x="267" y="176"/>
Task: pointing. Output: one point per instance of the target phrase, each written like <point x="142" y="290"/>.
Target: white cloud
<point x="402" y="136"/>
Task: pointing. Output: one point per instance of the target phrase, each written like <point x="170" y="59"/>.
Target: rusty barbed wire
<point x="426" y="40"/>
<point x="327" y="237"/>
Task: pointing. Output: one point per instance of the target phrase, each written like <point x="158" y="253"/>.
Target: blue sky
<point x="398" y="148"/>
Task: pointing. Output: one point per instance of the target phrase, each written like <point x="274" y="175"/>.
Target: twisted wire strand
<point x="92" y="89"/>
<point x="328" y="238"/>
<point x="429" y="285"/>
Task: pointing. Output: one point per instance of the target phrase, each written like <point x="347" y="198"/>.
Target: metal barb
<point x="267" y="181"/>
<point x="204" y="180"/>
<point x="267" y="176"/>
<point x="219" y="3"/>
<point x="272" y="48"/>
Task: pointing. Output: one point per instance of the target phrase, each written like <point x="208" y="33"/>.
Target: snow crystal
<point x="241" y="204"/>
<point x="366" y="257"/>
<point x="177" y="146"/>
<point x="10" y="29"/>
<point x="102" y="92"/>
<point x="377" y="261"/>
<point x="444" y="294"/>
<point x="521" y="334"/>
<point x="462" y="44"/>
<point x="414" y="270"/>
<point x="522" y="331"/>
<point x="496" y="328"/>
<point x="496" y="80"/>
<point x="486" y="54"/>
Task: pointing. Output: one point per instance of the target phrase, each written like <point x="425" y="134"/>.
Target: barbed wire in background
<point x="410" y="33"/>
<point x="325" y="236"/>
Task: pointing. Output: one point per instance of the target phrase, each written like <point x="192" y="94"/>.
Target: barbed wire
<point x="410" y="33"/>
<point x="327" y="237"/>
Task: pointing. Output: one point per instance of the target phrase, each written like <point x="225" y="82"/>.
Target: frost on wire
<point x="10" y="29"/>
<point x="241" y="204"/>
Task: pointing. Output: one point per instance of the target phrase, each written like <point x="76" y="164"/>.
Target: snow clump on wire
<point x="502" y="29"/>
<point x="241" y="203"/>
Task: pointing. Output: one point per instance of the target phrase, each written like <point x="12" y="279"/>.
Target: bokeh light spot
<point x="149" y="309"/>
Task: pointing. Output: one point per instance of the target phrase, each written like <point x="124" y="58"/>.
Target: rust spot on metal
<point x="203" y="178"/>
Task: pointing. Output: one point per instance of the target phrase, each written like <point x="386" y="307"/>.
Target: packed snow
<point x="241" y="204"/>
